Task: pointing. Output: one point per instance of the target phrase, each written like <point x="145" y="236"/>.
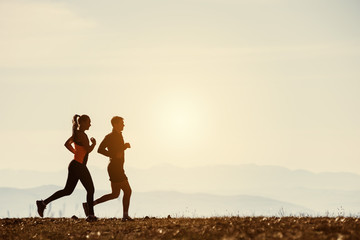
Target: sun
<point x="180" y="119"/>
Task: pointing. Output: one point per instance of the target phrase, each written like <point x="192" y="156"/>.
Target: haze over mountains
<point x="21" y="203"/>
<point x="204" y="191"/>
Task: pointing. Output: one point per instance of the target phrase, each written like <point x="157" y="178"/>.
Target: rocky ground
<point x="338" y="228"/>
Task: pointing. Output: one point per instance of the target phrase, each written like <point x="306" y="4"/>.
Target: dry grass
<point x="182" y="228"/>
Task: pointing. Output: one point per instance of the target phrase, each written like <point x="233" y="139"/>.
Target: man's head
<point x="117" y="123"/>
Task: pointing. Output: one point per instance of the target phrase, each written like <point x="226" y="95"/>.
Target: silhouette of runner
<point x="113" y="146"/>
<point x="77" y="169"/>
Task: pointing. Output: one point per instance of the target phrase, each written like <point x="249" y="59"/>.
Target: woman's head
<point x="82" y="122"/>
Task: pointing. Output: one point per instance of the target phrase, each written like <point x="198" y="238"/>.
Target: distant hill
<point x="21" y="203"/>
<point x="227" y="179"/>
<point x="334" y="192"/>
<point x="220" y="179"/>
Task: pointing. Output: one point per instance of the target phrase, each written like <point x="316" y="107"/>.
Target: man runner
<point x="113" y="146"/>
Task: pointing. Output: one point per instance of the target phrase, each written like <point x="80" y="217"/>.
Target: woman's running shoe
<point x="40" y="207"/>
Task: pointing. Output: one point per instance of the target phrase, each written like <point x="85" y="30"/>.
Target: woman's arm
<point x="84" y="142"/>
<point x="86" y="145"/>
<point x="69" y="146"/>
<point x="91" y="147"/>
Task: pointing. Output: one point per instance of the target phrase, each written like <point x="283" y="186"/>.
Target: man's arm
<point x="120" y="154"/>
<point x="102" y="148"/>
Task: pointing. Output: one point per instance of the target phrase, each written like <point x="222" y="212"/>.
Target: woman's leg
<point x="87" y="182"/>
<point x="72" y="179"/>
<point x="115" y="188"/>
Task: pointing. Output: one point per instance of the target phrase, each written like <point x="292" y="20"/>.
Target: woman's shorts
<point x="116" y="172"/>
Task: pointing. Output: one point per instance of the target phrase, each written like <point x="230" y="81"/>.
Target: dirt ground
<point x="308" y="228"/>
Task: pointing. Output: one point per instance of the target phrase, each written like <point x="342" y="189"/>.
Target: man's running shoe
<point x="91" y="218"/>
<point x="86" y="208"/>
<point x="127" y="218"/>
<point x="40" y="207"/>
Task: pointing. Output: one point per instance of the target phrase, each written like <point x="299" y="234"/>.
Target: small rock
<point x="74" y="217"/>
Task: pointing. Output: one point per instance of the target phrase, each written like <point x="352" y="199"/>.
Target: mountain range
<point x="273" y="187"/>
<point x="21" y="203"/>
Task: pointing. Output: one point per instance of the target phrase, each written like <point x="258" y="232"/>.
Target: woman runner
<point x="77" y="169"/>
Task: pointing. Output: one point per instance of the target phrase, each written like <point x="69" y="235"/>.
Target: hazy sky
<point x="198" y="82"/>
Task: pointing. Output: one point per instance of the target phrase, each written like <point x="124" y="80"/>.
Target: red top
<point x="80" y="153"/>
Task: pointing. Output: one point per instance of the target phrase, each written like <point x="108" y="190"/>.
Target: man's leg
<point x="126" y="199"/>
<point x="115" y="187"/>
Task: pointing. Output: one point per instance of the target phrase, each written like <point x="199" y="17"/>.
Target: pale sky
<point x="199" y="82"/>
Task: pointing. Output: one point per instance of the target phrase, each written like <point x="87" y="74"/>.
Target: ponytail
<point x="77" y="120"/>
<point x="75" y="125"/>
